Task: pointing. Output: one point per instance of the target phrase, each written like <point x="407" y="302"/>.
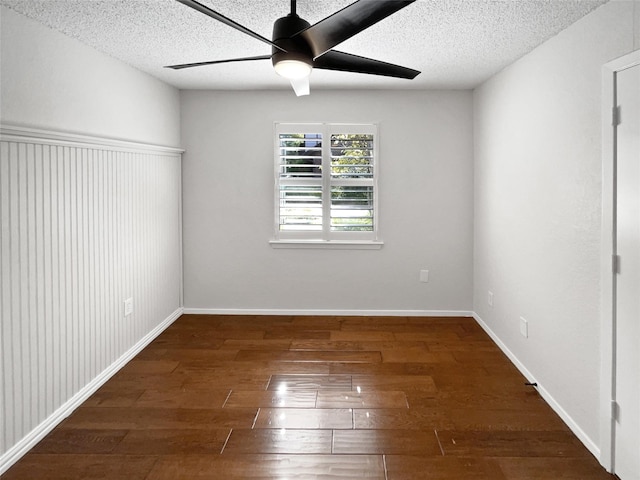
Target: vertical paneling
<point x="83" y="228"/>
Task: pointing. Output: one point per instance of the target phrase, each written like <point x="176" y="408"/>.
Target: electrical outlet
<point x="128" y="307"/>
<point x="524" y="327"/>
<point x="424" y="276"/>
<point x="490" y="298"/>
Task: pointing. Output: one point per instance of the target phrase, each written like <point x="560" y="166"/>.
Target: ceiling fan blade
<point x="227" y="21"/>
<point x="200" y="64"/>
<point x="300" y="86"/>
<point x="347" y="22"/>
<point x="346" y="62"/>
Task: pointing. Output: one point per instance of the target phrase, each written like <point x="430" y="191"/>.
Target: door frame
<point x="608" y="242"/>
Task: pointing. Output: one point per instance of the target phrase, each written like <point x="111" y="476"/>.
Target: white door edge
<point x="607" y="380"/>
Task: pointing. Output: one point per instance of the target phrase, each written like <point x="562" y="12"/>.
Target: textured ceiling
<point x="455" y="43"/>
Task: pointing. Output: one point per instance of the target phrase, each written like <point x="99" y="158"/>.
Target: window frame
<point x="325" y="237"/>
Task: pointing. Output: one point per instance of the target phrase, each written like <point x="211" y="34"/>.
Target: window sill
<point x="329" y="244"/>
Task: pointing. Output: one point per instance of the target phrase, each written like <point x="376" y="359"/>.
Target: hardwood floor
<point x="217" y="397"/>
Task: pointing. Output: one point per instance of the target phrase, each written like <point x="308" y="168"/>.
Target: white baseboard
<point x="320" y="312"/>
<point x="16" y="452"/>
<point x="547" y="397"/>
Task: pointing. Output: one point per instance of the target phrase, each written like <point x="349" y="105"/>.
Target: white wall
<point x="425" y="204"/>
<point x="86" y="223"/>
<point x="52" y="81"/>
<point x="538" y="207"/>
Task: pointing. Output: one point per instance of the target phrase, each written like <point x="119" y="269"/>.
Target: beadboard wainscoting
<point x="87" y="223"/>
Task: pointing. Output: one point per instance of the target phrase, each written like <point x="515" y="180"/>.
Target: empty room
<point x="337" y="239"/>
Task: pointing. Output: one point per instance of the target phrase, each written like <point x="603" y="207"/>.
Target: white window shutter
<point x="326" y="177"/>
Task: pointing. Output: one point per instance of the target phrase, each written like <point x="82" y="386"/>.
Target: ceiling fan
<point x="298" y="46"/>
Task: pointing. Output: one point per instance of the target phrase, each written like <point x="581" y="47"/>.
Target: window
<point x="326" y="183"/>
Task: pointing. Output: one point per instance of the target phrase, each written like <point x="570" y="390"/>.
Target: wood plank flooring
<point x="399" y="398"/>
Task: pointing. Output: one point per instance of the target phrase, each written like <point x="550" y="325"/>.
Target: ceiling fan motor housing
<point x="296" y="49"/>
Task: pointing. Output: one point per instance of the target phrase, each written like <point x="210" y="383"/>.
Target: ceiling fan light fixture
<point x="297" y="47"/>
<point x="292" y="69"/>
